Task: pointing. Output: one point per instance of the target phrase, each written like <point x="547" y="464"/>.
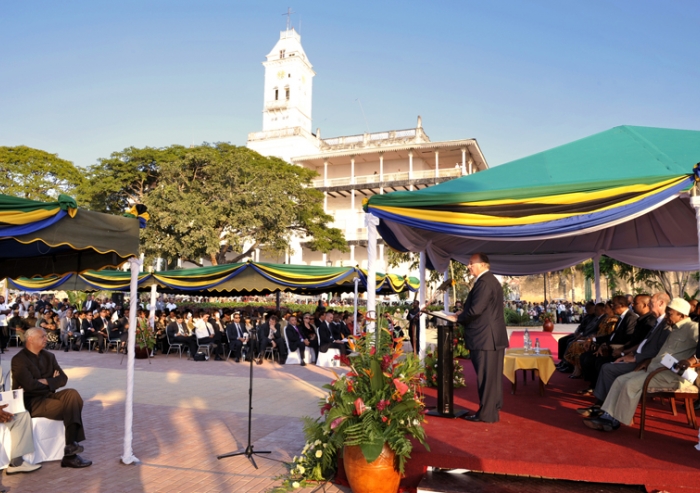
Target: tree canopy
<point x="35" y="174"/>
<point x="210" y="200"/>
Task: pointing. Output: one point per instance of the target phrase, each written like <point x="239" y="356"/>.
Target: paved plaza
<point x="185" y="414"/>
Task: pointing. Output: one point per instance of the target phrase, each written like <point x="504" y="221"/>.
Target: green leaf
<point x="377" y="381"/>
<point x="372" y="450"/>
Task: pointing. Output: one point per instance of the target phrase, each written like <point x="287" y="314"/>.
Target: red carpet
<point x="546" y="340"/>
<point x="544" y="436"/>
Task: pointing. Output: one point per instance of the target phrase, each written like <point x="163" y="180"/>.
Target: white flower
<point x="295" y="458"/>
<point x="319" y="453"/>
<point x="325" y="445"/>
<point x="317" y="442"/>
<point x="301" y="469"/>
<point x="401" y="421"/>
<point x="416" y="422"/>
<point x="295" y="484"/>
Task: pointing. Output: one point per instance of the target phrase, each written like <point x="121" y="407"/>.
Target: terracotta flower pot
<point x="548" y="326"/>
<point x="379" y="476"/>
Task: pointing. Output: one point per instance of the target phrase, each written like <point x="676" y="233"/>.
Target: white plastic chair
<point x="294" y="357"/>
<point x="327" y="359"/>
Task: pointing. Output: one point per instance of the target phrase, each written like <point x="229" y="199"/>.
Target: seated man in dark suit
<point x="37" y="372"/>
<point x="592" y="361"/>
<point x="269" y="335"/>
<point x="296" y="339"/>
<point x="177" y="334"/>
<point x="103" y="327"/>
<point x="237" y="336"/>
<point x="586" y="327"/>
<point x="328" y="336"/>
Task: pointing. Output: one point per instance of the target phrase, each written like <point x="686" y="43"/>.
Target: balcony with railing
<point x="388" y="177"/>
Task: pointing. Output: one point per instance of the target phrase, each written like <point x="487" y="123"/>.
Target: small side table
<point x="541" y="365"/>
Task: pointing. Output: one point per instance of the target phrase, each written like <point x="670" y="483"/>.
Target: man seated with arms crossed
<point x="37" y="372"/>
<point x="269" y="335"/>
<point x="624" y="395"/>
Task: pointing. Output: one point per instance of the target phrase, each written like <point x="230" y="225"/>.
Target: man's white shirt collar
<point x="477" y="277"/>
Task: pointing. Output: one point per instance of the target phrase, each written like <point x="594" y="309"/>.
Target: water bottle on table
<point x="537" y="345"/>
<point x="527" y="342"/>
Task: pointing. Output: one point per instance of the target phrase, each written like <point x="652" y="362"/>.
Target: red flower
<point x="373" y="351"/>
<point x="325" y="408"/>
<point x="381" y="405"/>
<point x="400" y="386"/>
<point x="386" y="361"/>
<point x="359" y="406"/>
<point x="350" y="387"/>
<point x="385" y="419"/>
<point x="344" y="360"/>
<point x="337" y="356"/>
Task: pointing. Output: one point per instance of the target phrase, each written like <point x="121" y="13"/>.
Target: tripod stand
<point x="249" y="452"/>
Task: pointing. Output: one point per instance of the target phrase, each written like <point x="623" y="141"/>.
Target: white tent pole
<point x="355" y="329"/>
<point x="371" y="221"/>
<point x="152" y="312"/>
<point x="421" y="302"/>
<point x="596" y="275"/>
<point x="446" y="294"/>
<point x="128" y="455"/>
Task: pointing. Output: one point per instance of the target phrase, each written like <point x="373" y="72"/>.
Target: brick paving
<point x="185" y="414"/>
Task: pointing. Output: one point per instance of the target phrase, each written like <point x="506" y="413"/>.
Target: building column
<point x="353" y="216"/>
<point x="352" y="255"/>
<point x="352" y="170"/>
<point x="437" y="164"/>
<point x="325" y="173"/>
<point x="381" y="172"/>
<point x="470" y="166"/>
<point x="257" y="255"/>
<point x="410" y="165"/>
<point x="464" y="161"/>
<point x="325" y="202"/>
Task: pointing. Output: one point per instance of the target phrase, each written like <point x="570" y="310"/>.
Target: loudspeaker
<point x="118" y="298"/>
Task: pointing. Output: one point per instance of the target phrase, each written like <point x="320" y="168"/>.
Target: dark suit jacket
<point x="232" y="333"/>
<point x="655" y="340"/>
<point x="644" y="325"/>
<point x="172" y="330"/>
<point x="623" y="331"/>
<point x="28" y="368"/>
<point x="97" y="323"/>
<point x="293" y="337"/>
<point x="483" y="319"/>
<point x="326" y="336"/>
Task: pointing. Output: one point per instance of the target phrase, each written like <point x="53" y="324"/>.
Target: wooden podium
<point x="445" y="371"/>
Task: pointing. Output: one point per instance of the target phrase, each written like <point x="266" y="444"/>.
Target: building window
<point x="277" y="94"/>
<point x="287" y="93"/>
<point x="281" y="53"/>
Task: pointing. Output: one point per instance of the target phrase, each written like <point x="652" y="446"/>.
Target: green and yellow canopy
<point x="231" y="279"/>
<point x="43" y="238"/>
<point x="622" y="192"/>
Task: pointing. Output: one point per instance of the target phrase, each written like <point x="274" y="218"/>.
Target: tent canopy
<point x="44" y="238"/>
<point x="622" y="192"/>
<point x="229" y="279"/>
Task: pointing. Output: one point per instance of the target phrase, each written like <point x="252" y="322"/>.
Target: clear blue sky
<point x="86" y="78"/>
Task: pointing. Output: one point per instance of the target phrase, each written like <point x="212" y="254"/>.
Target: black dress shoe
<point x="473" y="418"/>
<point x="218" y="358"/>
<point x="601" y="424"/>
<point x="73" y="449"/>
<point x="589" y="412"/>
<point x="75" y="461"/>
<point x="303" y="363"/>
<point x="237" y="360"/>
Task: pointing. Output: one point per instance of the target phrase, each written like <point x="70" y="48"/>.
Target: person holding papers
<point x="327" y="336"/>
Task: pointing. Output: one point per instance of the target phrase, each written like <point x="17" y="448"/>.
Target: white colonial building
<point x="352" y="167"/>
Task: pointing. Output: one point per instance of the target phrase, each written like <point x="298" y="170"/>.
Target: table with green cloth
<point x="541" y="365"/>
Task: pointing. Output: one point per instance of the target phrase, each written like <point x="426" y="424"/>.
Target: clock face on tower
<point x="280" y="74"/>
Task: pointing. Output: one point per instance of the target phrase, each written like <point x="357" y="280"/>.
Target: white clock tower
<point x="286" y="102"/>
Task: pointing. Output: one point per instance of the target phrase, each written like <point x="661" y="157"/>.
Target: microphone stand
<point x="248" y="451"/>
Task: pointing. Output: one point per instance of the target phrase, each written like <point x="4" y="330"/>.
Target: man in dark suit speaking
<point x="486" y="337"/>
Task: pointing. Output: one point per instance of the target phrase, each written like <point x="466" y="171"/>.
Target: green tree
<point x="125" y="178"/>
<point x="35" y="174"/>
<point x="210" y="200"/>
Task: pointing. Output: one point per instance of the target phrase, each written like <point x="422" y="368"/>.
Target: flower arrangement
<point x="377" y="402"/>
<point x="431" y="363"/>
<point x="145" y="338"/>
